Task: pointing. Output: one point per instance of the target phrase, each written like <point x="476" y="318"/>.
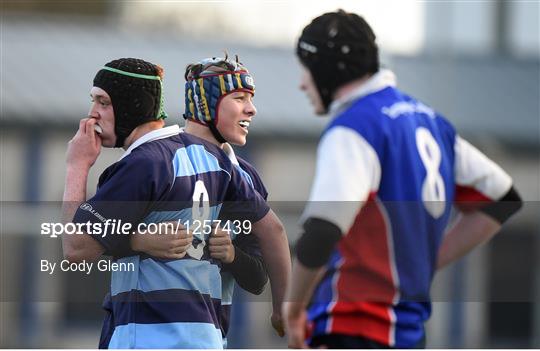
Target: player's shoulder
<point x="364" y="114"/>
<point x="197" y="147"/>
<point x="254" y="176"/>
<point x="248" y="167"/>
<point x="438" y="123"/>
<point x="154" y="158"/>
<point x="361" y="119"/>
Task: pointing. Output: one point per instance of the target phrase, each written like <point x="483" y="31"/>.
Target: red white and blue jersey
<point x="389" y="170"/>
<point x="168" y="176"/>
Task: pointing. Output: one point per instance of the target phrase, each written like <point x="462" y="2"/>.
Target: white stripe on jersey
<point x="393" y="268"/>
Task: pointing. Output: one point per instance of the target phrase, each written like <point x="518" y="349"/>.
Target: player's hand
<point x="221" y="246"/>
<point x="171" y="243"/>
<point x="85" y="146"/>
<point x="295" y="318"/>
<point x="277" y="324"/>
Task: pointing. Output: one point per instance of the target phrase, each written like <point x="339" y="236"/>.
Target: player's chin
<point x="239" y="140"/>
<point x="319" y="110"/>
<point x="108" y="143"/>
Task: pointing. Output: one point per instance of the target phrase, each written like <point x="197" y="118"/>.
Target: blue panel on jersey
<point x="167" y="336"/>
<point x="193" y="160"/>
<point x="410" y="318"/>
<point x="245" y="175"/>
<point x="323" y="296"/>
<point x="188" y="274"/>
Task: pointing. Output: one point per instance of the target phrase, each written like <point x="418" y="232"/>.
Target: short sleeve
<point x="242" y="201"/>
<point x="256" y="180"/>
<point x="348" y="170"/>
<point x="121" y="201"/>
<point x="479" y="180"/>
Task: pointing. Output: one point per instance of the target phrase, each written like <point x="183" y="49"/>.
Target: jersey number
<point x="433" y="190"/>
<point x="199" y="213"/>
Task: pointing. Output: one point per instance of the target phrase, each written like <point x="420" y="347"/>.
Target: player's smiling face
<point x="235" y="113"/>
<point x="307" y="84"/>
<point x="102" y="111"/>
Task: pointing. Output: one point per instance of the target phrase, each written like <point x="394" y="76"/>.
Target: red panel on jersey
<point x="365" y="285"/>
<point x="469" y="199"/>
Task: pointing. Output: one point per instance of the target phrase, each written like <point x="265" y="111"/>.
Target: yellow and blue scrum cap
<point x="208" y="82"/>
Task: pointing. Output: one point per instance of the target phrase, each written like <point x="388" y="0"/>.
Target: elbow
<point x="279" y="228"/>
<point x="259" y="288"/>
<point x="504" y="208"/>
<point x="73" y="255"/>
<point x="255" y="288"/>
<point x="269" y="226"/>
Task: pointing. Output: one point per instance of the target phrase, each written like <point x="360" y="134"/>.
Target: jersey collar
<point x="382" y="79"/>
<point x="227" y="148"/>
<point x="157" y="134"/>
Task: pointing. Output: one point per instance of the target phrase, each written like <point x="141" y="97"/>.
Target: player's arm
<point x="172" y="243"/>
<point x="275" y="250"/>
<point x="248" y="267"/>
<point x="82" y="152"/>
<point x="238" y="258"/>
<point x="123" y="195"/>
<point x="245" y="203"/>
<point x="347" y="170"/>
<point x="249" y="271"/>
<point x="486" y="197"/>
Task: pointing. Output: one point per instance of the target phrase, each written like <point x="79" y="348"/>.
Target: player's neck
<point x="142" y="130"/>
<point x="202" y="132"/>
<point x="347" y="88"/>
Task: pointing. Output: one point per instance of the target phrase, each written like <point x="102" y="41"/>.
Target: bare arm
<point x="298" y="296"/>
<point x="275" y="249"/>
<point x="83" y="151"/>
<point x="470" y="230"/>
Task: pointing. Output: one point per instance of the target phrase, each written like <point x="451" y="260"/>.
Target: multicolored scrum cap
<point x="136" y="92"/>
<point x="208" y="81"/>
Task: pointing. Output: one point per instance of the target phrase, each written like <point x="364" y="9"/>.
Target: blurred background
<point x="476" y="62"/>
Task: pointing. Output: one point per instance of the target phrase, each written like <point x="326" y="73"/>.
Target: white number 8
<point x="433" y="190"/>
<point x="199" y="214"/>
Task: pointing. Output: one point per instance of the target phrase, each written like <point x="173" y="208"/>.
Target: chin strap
<point x="216" y="133"/>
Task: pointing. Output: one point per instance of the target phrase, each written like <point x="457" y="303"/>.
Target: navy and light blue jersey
<point x="168" y="303"/>
<point x="389" y="169"/>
